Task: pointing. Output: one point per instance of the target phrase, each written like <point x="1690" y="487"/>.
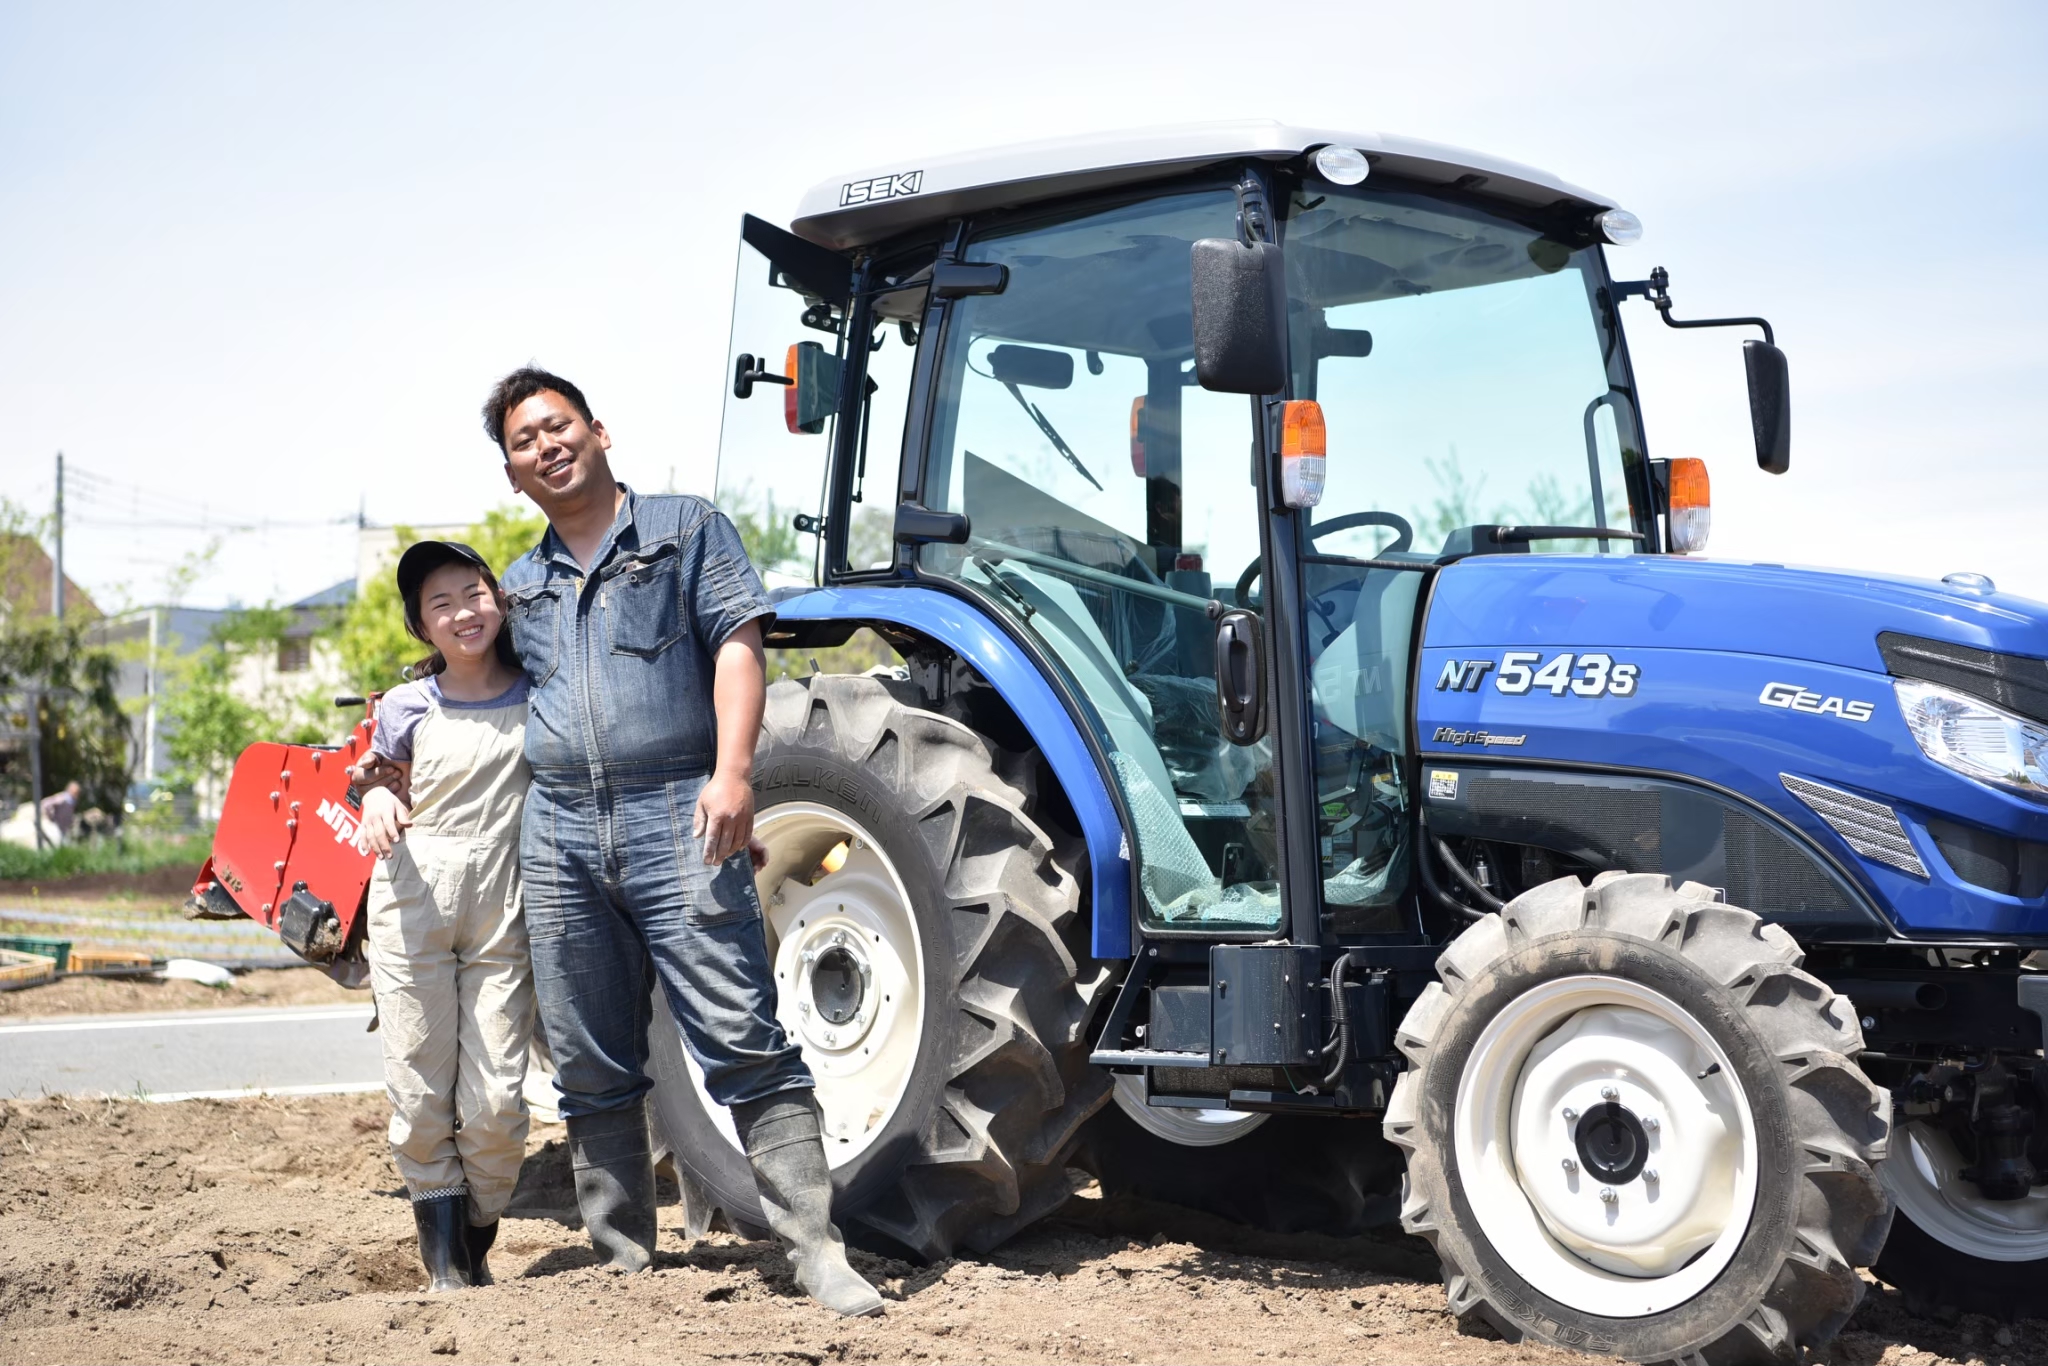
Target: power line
<point x="211" y="526"/>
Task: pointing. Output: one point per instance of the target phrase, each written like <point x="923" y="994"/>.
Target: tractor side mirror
<point x="1240" y="317"/>
<point x="813" y="392"/>
<point x="1770" y="405"/>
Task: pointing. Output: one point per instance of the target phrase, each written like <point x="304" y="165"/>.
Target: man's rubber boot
<point x="786" y="1145"/>
<point x="443" y="1220"/>
<point x="479" y="1238"/>
<point x="614" y="1166"/>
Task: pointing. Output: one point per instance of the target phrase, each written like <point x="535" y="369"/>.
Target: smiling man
<point x="639" y="621"/>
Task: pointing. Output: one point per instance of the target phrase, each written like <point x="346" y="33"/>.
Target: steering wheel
<point x="1404" y="537"/>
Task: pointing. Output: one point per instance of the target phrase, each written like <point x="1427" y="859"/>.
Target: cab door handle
<point x="1241" y="676"/>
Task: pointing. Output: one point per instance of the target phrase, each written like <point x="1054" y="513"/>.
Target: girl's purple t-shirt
<point x="400" y="711"/>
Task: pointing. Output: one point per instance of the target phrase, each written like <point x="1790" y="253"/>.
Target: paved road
<point x="186" y="1055"/>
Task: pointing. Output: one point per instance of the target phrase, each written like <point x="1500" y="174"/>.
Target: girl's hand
<point x="385" y="819"/>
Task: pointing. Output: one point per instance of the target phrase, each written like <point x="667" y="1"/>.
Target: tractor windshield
<point x="1465" y="374"/>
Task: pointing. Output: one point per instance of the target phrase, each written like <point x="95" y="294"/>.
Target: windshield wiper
<point x="1510" y="535"/>
<point x="1051" y="434"/>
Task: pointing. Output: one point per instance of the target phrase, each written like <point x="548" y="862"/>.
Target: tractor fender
<point x="1014" y="675"/>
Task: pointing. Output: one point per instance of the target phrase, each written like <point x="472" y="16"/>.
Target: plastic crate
<point x="88" y="958"/>
<point x="58" y="949"/>
<point x="18" y="969"/>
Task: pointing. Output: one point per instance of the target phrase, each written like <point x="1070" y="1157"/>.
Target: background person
<point x="60" y="810"/>
<point x="448" y="952"/>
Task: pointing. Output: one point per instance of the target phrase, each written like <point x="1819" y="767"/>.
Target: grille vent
<point x="1871" y="828"/>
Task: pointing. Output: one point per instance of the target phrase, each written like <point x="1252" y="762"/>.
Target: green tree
<point x="229" y="694"/>
<point x="84" y="733"/>
<point x="83" y="730"/>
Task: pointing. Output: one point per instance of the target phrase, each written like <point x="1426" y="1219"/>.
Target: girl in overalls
<point x="448" y="957"/>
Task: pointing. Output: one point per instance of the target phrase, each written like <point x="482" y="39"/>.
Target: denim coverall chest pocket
<point x="643" y="602"/>
<point x="537" y="630"/>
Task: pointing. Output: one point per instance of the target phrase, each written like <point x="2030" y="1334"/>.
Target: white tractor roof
<point x="855" y="210"/>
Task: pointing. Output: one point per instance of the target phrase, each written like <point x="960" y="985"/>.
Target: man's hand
<point x="376" y="771"/>
<point x="385" y="820"/>
<point x="725" y="817"/>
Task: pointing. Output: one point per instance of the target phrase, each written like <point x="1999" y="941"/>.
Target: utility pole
<point x="35" y="763"/>
<point x="57" y="579"/>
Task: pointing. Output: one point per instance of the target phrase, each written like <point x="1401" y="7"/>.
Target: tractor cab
<point x="1191" y="415"/>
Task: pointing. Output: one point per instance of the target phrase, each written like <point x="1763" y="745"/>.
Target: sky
<point x="260" y="263"/>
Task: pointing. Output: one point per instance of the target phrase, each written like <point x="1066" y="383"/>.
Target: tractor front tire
<point x="930" y="960"/>
<point x="1634" y="1127"/>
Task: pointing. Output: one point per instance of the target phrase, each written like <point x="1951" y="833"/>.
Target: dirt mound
<point x="117" y="995"/>
<point x="278" y="1230"/>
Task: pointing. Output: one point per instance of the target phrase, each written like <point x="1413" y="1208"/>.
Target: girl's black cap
<point x="422" y="558"/>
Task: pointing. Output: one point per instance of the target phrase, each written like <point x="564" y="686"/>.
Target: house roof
<point x="335" y="595"/>
<point x="26" y="574"/>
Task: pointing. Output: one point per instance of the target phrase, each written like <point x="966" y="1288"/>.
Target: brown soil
<point x="115" y="995"/>
<point x="277" y="1230"/>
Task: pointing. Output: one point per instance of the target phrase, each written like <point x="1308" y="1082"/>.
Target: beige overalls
<point x="449" y="962"/>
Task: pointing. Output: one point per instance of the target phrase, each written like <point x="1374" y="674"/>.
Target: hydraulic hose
<point x="1427" y="866"/>
<point x="1470" y="883"/>
<point x="1340" y="1016"/>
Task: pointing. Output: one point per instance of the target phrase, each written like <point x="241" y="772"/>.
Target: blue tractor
<point x="1252" y="726"/>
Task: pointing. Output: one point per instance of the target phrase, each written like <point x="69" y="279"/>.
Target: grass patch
<point x="121" y="854"/>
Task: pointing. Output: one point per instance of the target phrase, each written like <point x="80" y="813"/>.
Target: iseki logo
<point x="881" y="187"/>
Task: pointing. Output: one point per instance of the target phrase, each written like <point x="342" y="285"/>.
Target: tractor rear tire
<point x="1636" y="1128"/>
<point x="1951" y="1251"/>
<point x="950" y="889"/>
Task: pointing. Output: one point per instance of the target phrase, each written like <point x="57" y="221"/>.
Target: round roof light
<point x="1341" y="165"/>
<point x="1970" y="583"/>
<point x="1620" y="227"/>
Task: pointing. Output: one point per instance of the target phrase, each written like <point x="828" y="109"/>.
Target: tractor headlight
<point x="1975" y="738"/>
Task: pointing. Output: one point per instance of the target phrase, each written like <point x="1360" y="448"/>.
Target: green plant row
<point x="124" y="854"/>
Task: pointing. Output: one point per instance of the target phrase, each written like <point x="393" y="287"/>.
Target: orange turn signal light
<point x="1304" y="442"/>
<point x="789" y="392"/>
<point x="1691" y="506"/>
<point x="1137" y="438"/>
<point x="1301" y="429"/>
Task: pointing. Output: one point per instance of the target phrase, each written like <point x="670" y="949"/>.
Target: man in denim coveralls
<point x="639" y="620"/>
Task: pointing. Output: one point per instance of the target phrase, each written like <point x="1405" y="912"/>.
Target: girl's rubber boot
<point x="786" y="1145"/>
<point x="443" y="1221"/>
<point x="614" y="1167"/>
<point x="479" y="1238"/>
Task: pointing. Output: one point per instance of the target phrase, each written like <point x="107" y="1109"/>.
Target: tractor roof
<point x="856" y="210"/>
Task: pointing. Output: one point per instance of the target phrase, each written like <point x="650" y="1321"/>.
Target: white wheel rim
<point x="858" y="913"/>
<point x="1925" y="1174"/>
<point x="1584" y="1042"/>
<point x="1188" y="1128"/>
